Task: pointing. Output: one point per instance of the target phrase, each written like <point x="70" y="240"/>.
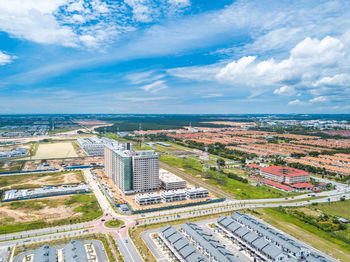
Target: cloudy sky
<point x="174" y="56"/>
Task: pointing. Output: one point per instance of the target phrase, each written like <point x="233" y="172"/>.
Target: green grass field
<point x="247" y="191"/>
<point x="85" y="205"/>
<point x="239" y="189"/>
<point x="319" y="239"/>
<point x="341" y="208"/>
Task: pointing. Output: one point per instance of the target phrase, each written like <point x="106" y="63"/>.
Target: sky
<point x="174" y="56"/>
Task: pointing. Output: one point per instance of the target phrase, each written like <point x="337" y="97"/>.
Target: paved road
<point x="43" y="238"/>
<point x="4" y="254"/>
<point x="37" y="232"/>
<point x="121" y="235"/>
<point x="127" y="248"/>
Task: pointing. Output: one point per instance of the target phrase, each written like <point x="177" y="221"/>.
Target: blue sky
<point x="174" y="56"/>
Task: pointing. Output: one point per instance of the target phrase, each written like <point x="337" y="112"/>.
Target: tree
<point x="220" y="162"/>
<point x="342" y="199"/>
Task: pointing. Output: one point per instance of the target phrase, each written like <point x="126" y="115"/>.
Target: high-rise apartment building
<point x="132" y="171"/>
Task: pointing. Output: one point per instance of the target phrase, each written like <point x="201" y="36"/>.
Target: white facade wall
<point x="145" y="170"/>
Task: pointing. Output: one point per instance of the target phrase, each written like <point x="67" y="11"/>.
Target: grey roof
<point x="75" y="252"/>
<point x="187" y="250"/>
<point x="260" y="243"/>
<point x="233" y="227"/>
<point x="226" y="221"/>
<point x="269" y="233"/>
<point x="174" y="237"/>
<point x="242" y="232"/>
<point x="313" y="257"/>
<point x="195" y="257"/>
<point x="236" y="215"/>
<point x="207" y="242"/>
<point x="250" y="237"/>
<point x="272" y="251"/>
<point x="291" y="259"/>
<point x="181" y="244"/>
<point x="45" y="253"/>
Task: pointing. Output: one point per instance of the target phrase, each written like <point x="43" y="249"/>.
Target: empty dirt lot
<point x="41" y="179"/>
<point x="38" y="213"/>
<point x="55" y="150"/>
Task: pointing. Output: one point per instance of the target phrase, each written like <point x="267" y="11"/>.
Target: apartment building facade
<point x="132" y="171"/>
<point x="286" y="175"/>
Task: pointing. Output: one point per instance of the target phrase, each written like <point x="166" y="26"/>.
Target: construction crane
<point x="140" y="137"/>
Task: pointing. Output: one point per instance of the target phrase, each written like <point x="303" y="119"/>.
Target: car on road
<point x="126" y="241"/>
<point x="103" y="220"/>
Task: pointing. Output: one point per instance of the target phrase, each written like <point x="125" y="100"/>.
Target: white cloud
<point x="146" y="99"/>
<point x="143" y="77"/>
<point x="141" y="10"/>
<point x="34" y="20"/>
<point x="336" y="80"/>
<point x="212" y="95"/>
<point x="155" y="87"/>
<point x="63" y="22"/>
<point x="5" y="59"/>
<point x="285" y="91"/>
<point x="199" y="73"/>
<point x="295" y="102"/>
<point x="306" y="59"/>
<point x="180" y="2"/>
<point x="318" y="99"/>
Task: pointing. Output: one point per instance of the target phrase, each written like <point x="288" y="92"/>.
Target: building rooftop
<point x="278" y="185"/>
<point x="284" y="171"/>
<point x="303" y="185"/>
<point x="168" y="177"/>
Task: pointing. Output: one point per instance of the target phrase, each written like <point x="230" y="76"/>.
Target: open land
<point x="11" y="166"/>
<point x="239" y="189"/>
<point x="40" y="179"/>
<point x="53" y="211"/>
<point x="55" y="150"/>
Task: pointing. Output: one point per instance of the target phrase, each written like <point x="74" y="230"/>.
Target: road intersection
<point x="121" y="235"/>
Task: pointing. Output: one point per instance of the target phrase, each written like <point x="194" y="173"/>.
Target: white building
<point x="198" y="192"/>
<point x="132" y="171"/>
<point x="148" y="199"/>
<point x="169" y="181"/>
<point x="94" y="146"/>
<point x="173" y="195"/>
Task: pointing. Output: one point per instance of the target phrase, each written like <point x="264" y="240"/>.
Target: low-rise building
<point x="287" y="175"/>
<point x="75" y="251"/>
<point x="207" y="244"/>
<point x="173" y="195"/>
<point x="148" y="199"/>
<point x="197" y="192"/>
<point x="45" y="253"/>
<point x="45" y="191"/>
<point x="263" y="240"/>
<point x="94" y="146"/>
<point x="169" y="181"/>
<point x="183" y="249"/>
